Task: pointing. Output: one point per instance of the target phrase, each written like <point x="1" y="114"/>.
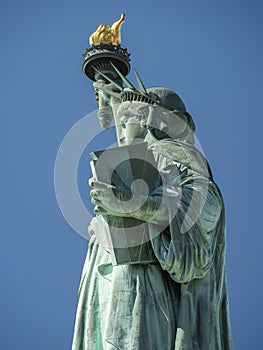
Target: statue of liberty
<point x="172" y="295"/>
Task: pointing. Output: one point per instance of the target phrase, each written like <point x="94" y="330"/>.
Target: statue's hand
<point x="102" y="97"/>
<point x="109" y="200"/>
<point x="100" y="87"/>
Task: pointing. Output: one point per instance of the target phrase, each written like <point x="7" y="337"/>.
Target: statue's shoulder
<point x="185" y="153"/>
<point x="176" y="150"/>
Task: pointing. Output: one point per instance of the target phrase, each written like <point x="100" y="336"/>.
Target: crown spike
<point x="108" y="91"/>
<point x="126" y="81"/>
<point x="140" y="83"/>
<point x="120" y="88"/>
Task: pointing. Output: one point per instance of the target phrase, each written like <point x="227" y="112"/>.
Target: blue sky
<point x="210" y="53"/>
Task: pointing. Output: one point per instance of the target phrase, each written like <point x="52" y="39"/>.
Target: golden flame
<point x="108" y="35"/>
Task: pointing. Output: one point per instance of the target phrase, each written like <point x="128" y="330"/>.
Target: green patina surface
<point x="178" y="301"/>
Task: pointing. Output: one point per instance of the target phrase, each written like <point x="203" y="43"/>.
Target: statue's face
<point x="132" y="117"/>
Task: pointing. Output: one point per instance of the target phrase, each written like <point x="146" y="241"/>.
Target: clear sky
<point x="210" y="52"/>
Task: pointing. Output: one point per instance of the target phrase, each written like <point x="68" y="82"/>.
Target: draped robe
<point x="180" y="302"/>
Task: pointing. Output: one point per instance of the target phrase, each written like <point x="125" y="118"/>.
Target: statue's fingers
<point x="98" y="185"/>
<point x="98" y="84"/>
<point x="91" y="181"/>
<point x="101" y="196"/>
<point x="99" y="210"/>
<point x="95" y="201"/>
<point x="93" y="193"/>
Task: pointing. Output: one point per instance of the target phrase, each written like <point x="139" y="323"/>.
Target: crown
<point x="129" y="93"/>
<point x="156" y="96"/>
